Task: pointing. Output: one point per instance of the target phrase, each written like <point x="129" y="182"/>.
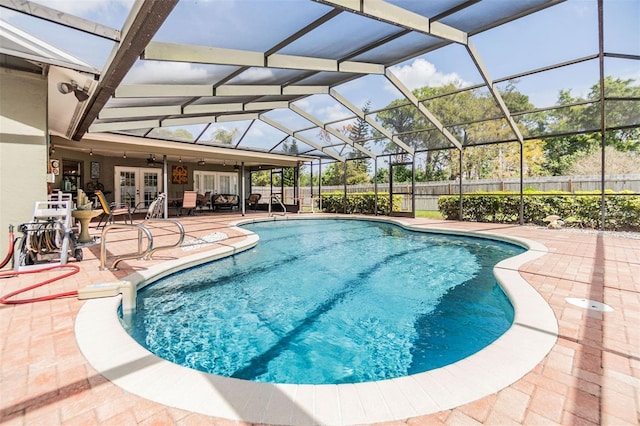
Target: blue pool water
<point x="329" y="301"/>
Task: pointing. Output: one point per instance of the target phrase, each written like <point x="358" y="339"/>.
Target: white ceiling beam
<point x="213" y="108"/>
<point x="177" y="52"/>
<point x="475" y="56"/>
<point x="187" y="121"/>
<point x="161" y="51"/>
<point x="423" y="110"/>
<point x="130" y="112"/>
<point x="237" y="117"/>
<point x="396" y="15"/>
<point x="248" y="90"/>
<point x="163" y="90"/>
<point x="61" y="18"/>
<point x="206" y="90"/>
<point x="305" y="90"/>
<point x="330" y="152"/>
<point x="123" y="125"/>
<point x="331" y="130"/>
<point x="257" y="106"/>
<point x="344" y="101"/>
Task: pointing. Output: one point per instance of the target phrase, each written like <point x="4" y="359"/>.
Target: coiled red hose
<point x="5" y="299"/>
<point x="11" y="244"/>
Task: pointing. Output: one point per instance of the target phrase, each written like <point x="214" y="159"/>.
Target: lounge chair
<point x="189" y="202"/>
<point x="110" y="210"/>
<point x="156" y="208"/>
<point x="204" y="200"/>
<point x="253" y="200"/>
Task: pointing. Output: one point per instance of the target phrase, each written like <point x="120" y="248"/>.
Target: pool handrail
<point x="149" y="256"/>
<point x="139" y="254"/>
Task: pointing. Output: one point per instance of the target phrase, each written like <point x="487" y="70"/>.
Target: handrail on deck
<point x="180" y="240"/>
<point x="139" y="254"/>
<point x="284" y="209"/>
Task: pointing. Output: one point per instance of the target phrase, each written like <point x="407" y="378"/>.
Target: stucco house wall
<point x="23" y="148"/>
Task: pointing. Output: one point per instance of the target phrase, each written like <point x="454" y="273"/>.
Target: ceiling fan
<point x="152" y="160"/>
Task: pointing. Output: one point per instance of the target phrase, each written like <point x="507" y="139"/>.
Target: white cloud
<point x="81" y="8"/>
<point x="156" y="72"/>
<point x="421" y="73"/>
<point x="253" y="75"/>
<point x="332" y="113"/>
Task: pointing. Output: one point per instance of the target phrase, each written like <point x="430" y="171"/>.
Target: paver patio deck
<point x="591" y="376"/>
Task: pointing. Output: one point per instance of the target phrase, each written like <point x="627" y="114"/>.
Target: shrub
<point x="580" y="209"/>
<point x="358" y="202"/>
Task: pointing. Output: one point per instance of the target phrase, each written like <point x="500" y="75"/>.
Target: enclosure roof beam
<point x="144" y="20"/>
<point x="58" y="17"/>
<point x="284" y="129"/>
<point x="162" y="51"/>
<point x="396" y="15"/>
<point x="331" y="130"/>
<point x="344" y="101"/>
<point x="423" y="109"/>
<point x="475" y="56"/>
<point x="208" y="90"/>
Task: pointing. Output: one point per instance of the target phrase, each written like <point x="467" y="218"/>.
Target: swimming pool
<point x="330" y="301"/>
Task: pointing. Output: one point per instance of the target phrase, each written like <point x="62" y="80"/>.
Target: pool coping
<point x="509" y="358"/>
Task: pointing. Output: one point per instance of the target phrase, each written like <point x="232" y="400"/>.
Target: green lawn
<point x="429" y="214"/>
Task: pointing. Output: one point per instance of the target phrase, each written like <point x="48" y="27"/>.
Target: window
<point x="216" y="182"/>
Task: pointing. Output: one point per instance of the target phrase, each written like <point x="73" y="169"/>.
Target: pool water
<point x="329" y="301"/>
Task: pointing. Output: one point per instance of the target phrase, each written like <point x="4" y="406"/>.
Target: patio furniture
<point x="110" y="210"/>
<point x="156" y="208"/>
<point x="252" y="201"/>
<point x="228" y="201"/>
<point x="189" y="203"/>
<point x="204" y="200"/>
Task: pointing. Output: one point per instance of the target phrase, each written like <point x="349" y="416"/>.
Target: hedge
<point x="579" y="210"/>
<point x="359" y="202"/>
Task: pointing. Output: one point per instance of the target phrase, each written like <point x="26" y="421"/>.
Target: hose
<point x="10" y="252"/>
<point x="5" y="299"/>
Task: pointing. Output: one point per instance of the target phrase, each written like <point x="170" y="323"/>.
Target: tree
<point x="451" y="109"/>
<point x="616" y="162"/>
<point x="563" y="151"/>
<point x="224" y="136"/>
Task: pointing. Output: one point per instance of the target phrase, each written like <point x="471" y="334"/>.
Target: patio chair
<point x="189" y="202"/>
<point x="156" y="208"/>
<point x="204" y="200"/>
<point x="253" y="200"/>
<point x="110" y="210"/>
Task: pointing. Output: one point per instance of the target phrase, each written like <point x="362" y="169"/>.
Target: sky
<point x="560" y="33"/>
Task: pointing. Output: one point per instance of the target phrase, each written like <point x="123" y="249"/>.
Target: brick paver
<point x="591" y="376"/>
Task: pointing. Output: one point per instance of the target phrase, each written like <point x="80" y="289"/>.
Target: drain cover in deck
<point x="589" y="304"/>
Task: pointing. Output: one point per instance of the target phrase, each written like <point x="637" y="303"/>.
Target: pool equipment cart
<point x="49" y="238"/>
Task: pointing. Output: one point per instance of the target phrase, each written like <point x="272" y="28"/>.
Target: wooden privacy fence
<point x="427" y="193"/>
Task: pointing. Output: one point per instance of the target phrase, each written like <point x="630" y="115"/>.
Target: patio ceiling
<point x="192" y="74"/>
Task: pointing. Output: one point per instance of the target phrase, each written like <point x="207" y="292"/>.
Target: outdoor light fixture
<point x="180" y="159"/>
<point x="80" y="93"/>
<point x="90" y="151"/>
<point x="124" y="155"/>
<point x="201" y="162"/>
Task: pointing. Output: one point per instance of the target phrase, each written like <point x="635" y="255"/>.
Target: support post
<point x="521" y="210"/>
<point x="165" y="186"/>
<point x="375" y="186"/>
<point x="242" y="189"/>
<point x="345" y="186"/>
<point x="460" y="188"/>
<point x="603" y="209"/>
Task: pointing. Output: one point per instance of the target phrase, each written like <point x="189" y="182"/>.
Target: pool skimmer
<point x="592" y="305"/>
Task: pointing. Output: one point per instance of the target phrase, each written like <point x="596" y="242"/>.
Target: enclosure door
<point x="401" y="193"/>
<point x="137" y="186"/>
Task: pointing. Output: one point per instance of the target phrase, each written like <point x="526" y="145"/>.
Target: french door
<point x="137" y="186"/>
